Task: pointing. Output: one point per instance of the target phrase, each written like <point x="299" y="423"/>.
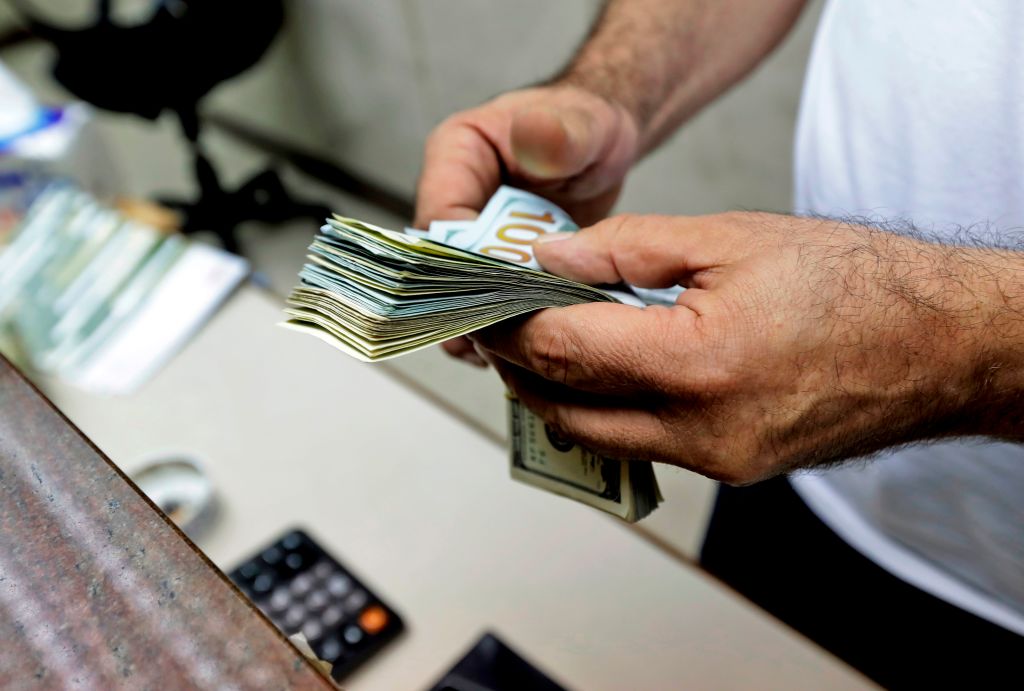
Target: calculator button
<point x="279" y="600"/>
<point x="332" y="616"/>
<point x="373" y="619"/>
<point x="331" y="649"/>
<point x="353" y="635"/>
<point x="272" y="556"/>
<point x="294" y="617"/>
<point x="312" y="630"/>
<point x="249" y="570"/>
<point x="317" y="600"/>
<point x="294" y="561"/>
<point x="301" y="585"/>
<point x="291" y="541"/>
<point x="323" y="569"/>
<point x="355" y="601"/>
<point x="338" y="585"/>
<point x="263" y="583"/>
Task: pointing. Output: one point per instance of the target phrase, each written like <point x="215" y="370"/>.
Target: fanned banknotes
<point x="376" y="294"/>
<point x="380" y="293"/>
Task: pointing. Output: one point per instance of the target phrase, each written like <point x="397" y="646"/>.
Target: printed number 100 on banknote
<point x="506" y="228"/>
<point x="515" y="238"/>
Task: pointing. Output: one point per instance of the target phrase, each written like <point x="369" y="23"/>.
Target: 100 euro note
<point x="538" y="454"/>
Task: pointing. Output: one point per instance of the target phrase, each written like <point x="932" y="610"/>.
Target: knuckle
<point x="713" y="372"/>
<point x="714" y="379"/>
<point x="623" y="235"/>
<point x="744" y="462"/>
<point x="452" y="121"/>
<point x="621" y="223"/>
<point x="549" y="353"/>
<point x="619" y="228"/>
<point x="447" y="129"/>
<point x="438" y="133"/>
<point x="569" y="424"/>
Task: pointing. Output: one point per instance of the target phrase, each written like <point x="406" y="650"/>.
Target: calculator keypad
<point x="302" y="589"/>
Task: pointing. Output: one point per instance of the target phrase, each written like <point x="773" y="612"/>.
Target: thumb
<point x="558" y="142"/>
<point x="645" y="251"/>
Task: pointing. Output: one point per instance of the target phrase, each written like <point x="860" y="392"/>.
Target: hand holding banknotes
<point x="378" y="294"/>
<point x="797" y="342"/>
<point x="562" y="142"/>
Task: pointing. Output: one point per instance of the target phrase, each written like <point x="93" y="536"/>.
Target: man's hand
<point x="798" y="342"/>
<point x="563" y="143"/>
<point x="646" y="67"/>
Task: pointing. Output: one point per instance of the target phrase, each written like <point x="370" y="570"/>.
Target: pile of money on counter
<point x="377" y="294"/>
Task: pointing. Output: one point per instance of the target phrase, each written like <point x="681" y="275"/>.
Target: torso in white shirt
<point x="913" y="110"/>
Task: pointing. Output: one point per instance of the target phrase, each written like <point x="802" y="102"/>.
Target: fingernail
<point x="553" y="237"/>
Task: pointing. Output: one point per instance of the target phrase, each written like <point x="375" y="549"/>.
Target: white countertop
<point x="422" y="508"/>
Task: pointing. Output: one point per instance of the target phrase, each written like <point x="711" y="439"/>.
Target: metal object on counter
<point x="179" y="485"/>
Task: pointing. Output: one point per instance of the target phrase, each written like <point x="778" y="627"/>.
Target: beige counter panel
<point x="422" y="507"/>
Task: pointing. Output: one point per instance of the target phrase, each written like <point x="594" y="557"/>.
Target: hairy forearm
<point x="991" y="317"/>
<point x="665" y="59"/>
<point x="936" y="328"/>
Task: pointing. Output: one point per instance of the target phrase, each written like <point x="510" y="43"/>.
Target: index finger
<point x="461" y="170"/>
<point x="598" y="347"/>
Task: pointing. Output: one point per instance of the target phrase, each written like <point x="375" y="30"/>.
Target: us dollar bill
<point x="506" y="229"/>
<point x="377" y="294"/>
<point x="540" y="456"/>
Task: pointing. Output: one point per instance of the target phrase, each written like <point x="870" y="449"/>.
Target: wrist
<point x="635" y="114"/>
<point x="927" y="340"/>
<point x="962" y="311"/>
<point x="991" y="316"/>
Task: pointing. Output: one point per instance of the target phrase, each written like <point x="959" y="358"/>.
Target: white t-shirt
<point x="913" y="110"/>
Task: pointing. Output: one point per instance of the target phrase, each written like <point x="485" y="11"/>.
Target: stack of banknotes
<point x="376" y="294"/>
<point x="100" y="299"/>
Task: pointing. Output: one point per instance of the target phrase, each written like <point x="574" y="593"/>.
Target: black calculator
<point x="303" y="589"/>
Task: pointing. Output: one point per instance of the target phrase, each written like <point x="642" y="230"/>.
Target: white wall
<point x="386" y="72"/>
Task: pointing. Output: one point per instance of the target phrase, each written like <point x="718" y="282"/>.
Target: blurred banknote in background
<point x="376" y="294"/>
<point x="101" y="300"/>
